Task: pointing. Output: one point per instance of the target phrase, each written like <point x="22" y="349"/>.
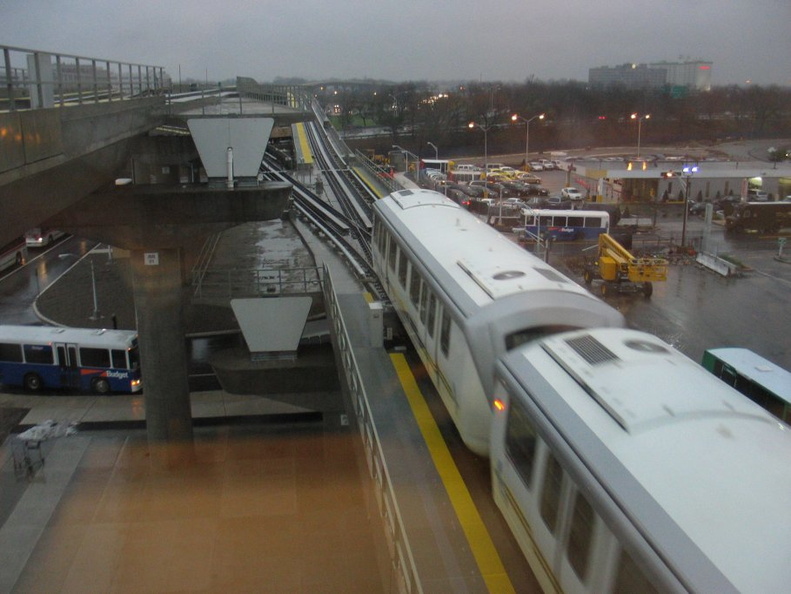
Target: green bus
<point x="759" y="379"/>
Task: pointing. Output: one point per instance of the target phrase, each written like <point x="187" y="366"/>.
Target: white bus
<point x="566" y="225"/>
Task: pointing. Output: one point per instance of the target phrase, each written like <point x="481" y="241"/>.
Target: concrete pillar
<point x="163" y="354"/>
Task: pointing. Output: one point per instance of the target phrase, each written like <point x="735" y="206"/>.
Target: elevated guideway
<point x="436" y="538"/>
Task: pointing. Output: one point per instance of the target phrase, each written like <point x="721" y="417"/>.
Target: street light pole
<point x="485" y="146"/>
<point x="436" y="150"/>
<point x="688" y="171"/>
<point x="640" y="119"/>
<point x="95" y="315"/>
<point x="517" y="117"/>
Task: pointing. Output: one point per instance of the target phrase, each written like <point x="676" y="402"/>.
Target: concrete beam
<point x="160" y="216"/>
<point x="53" y="157"/>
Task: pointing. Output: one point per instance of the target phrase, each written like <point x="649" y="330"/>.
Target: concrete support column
<point x="163" y="354"/>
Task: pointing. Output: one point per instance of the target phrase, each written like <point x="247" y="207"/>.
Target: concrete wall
<point x="51" y="158"/>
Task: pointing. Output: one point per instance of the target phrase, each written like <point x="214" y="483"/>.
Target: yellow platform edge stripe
<point x="478" y="538"/>
<point x="304" y="146"/>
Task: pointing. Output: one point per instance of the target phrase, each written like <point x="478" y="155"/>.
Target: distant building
<point x="694" y="74"/>
<point x="631" y="76"/>
<point x="689" y="75"/>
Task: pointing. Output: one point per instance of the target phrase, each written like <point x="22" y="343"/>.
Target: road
<point x="20" y="286"/>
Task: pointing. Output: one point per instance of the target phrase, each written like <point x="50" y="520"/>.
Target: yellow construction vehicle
<point x="623" y="272"/>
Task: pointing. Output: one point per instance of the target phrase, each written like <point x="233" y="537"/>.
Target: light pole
<point x="517" y="117"/>
<point x="95" y="315"/>
<point x="485" y="145"/>
<point x="688" y="170"/>
<point x="640" y="119"/>
<point x="436" y="150"/>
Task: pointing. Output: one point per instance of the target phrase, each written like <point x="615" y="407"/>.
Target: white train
<point x="621" y="465"/>
<point x="466" y="295"/>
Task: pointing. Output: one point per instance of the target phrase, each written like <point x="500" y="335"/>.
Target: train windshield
<point x="520" y="337"/>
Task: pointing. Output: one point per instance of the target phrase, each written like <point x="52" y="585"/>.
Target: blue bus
<point x="566" y="225"/>
<point x="38" y="357"/>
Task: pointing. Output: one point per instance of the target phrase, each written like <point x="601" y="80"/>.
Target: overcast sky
<point x="501" y="40"/>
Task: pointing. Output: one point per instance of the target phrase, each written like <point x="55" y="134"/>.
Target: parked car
<point x="492" y="188"/>
<point x="476" y="191"/>
<point x="517" y="188"/>
<point x="696" y="207"/>
<point x="536" y="190"/>
<point x="536" y="202"/>
<point x="757" y="196"/>
<point x="535" y="166"/>
<point x="558" y="203"/>
<point x="528" y="178"/>
<point x="514" y="203"/>
<point x="571" y="193"/>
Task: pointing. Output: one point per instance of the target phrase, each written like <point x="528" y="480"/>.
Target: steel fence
<point x="35" y="79"/>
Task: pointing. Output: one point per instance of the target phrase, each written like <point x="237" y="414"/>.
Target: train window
<point x="432" y="314"/>
<point x="444" y="333"/>
<point x="382" y="242"/>
<point x="414" y="287"/>
<point x="630" y="577"/>
<point x="521" y="442"/>
<point x="424" y="304"/>
<point x="580" y="535"/>
<point x="392" y="254"/>
<point x="402" y="269"/>
<point x="550" y="495"/>
<point x="520" y="337"/>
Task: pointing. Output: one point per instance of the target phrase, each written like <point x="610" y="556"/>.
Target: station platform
<point x="276" y="498"/>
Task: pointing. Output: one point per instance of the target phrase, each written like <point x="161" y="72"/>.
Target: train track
<point x="349" y="225"/>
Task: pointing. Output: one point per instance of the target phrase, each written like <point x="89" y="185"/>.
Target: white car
<point x="535" y="166"/>
<point x="41" y="237"/>
<point x="572" y="194"/>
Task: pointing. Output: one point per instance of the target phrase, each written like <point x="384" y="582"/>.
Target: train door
<point x="544" y="510"/>
<point x="428" y="305"/>
<point x="69" y="367"/>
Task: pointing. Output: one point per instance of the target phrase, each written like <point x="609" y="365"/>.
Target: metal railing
<point x="404" y="571"/>
<point x="35" y="79"/>
<point x="262" y="282"/>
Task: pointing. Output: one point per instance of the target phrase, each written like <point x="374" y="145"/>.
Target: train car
<point x="621" y="465"/>
<point x="466" y="294"/>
